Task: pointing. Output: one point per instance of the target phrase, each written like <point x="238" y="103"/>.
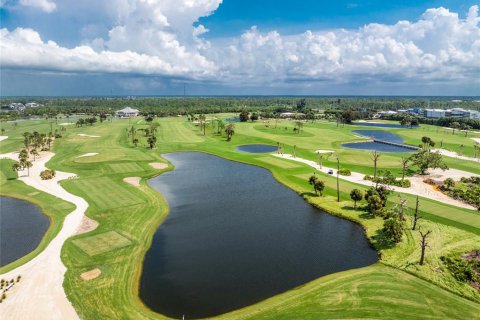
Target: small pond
<point x="378" y="146"/>
<point x="22" y="227"/>
<point x="236" y="236"/>
<point x="381" y="125"/>
<point x="234" y="119"/>
<point x="257" y="148"/>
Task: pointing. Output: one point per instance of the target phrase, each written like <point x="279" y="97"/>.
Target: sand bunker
<point x="324" y="151"/>
<point x="90" y="275"/>
<point x="90" y="154"/>
<point x="88" y="135"/>
<point x="452" y="154"/>
<point x="134" y="181"/>
<point x="476" y="139"/>
<point x="86" y="225"/>
<point x="66" y="124"/>
<point x="3" y="138"/>
<point x="158" y="165"/>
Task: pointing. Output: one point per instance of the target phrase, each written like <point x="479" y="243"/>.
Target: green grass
<point x="101" y="243"/>
<point x="395" y="288"/>
<point x="106" y="193"/>
<point x="375" y="292"/>
<point x="278" y="163"/>
<point x="125" y="167"/>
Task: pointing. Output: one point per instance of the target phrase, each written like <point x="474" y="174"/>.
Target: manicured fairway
<point x="125" y="167"/>
<point x="101" y="243"/>
<point x="278" y="163"/>
<point x="105" y="193"/>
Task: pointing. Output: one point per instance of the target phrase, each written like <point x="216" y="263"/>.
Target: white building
<point x="127" y="113"/>
<point x="435" y="113"/>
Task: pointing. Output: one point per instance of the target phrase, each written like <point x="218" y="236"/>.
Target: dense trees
<point x="244" y="116"/>
<point x="425" y="160"/>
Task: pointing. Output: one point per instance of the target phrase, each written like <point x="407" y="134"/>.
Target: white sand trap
<point x="86" y="225"/>
<point x="88" y="135"/>
<point x="476" y="139"/>
<point x="3" y="138"/>
<point x="452" y="154"/>
<point x="90" y="154"/>
<point x="66" y="124"/>
<point x="158" y="165"/>
<point x="90" y="275"/>
<point x="324" y="151"/>
<point x="134" y="181"/>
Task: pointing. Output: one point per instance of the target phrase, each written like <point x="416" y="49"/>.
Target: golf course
<point x="108" y="170"/>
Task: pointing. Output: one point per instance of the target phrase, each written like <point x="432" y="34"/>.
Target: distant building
<point x="33" y="105"/>
<point x="127" y="113"/>
<point x="292" y="115"/>
<point x="435" y="113"/>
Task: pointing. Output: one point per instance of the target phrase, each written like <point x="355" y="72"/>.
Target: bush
<point x="462" y="269"/>
<point x="47" y="174"/>
<point x="389" y="181"/>
<point x="344" y="172"/>
<point x="429" y="181"/>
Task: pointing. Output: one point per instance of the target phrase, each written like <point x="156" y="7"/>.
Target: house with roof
<point x="127" y="113"/>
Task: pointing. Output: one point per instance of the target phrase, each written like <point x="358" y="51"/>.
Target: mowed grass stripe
<point x="278" y="163"/>
<point x="102" y="243"/>
<point x="125" y="167"/>
<point x="117" y="195"/>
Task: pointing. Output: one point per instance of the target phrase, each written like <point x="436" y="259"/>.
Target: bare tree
<point x="423" y="245"/>
<point x="375" y="156"/>
<point x="402" y="205"/>
<point x="404" y="166"/>
<point x="416" y="216"/>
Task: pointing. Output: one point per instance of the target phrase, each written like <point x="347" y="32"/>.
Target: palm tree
<point x="16" y="167"/>
<point x="34" y="152"/>
<point x="230" y="130"/>
<point x="28" y="164"/>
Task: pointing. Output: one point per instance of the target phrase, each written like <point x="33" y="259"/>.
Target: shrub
<point x="344" y="172"/>
<point x="47" y="174"/>
<point x="429" y="181"/>
<point x="462" y="269"/>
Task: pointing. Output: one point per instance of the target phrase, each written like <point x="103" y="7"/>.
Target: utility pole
<point x="338" y="183"/>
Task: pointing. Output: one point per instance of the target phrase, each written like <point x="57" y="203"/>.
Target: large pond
<point x="235" y="236"/>
<point x="257" y="148"/>
<point x="22" y="226"/>
<point x="378" y="146"/>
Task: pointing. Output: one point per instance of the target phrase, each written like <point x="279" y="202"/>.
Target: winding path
<point x="40" y="294"/>
<point x="418" y="187"/>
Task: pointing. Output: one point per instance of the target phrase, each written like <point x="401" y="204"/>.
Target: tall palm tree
<point x="28" y="164"/>
<point x="16" y="167"/>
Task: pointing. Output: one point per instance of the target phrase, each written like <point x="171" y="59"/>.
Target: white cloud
<point x="44" y="5"/>
<point x="159" y="38"/>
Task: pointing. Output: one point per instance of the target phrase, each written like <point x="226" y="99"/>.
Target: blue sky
<point x="103" y="47"/>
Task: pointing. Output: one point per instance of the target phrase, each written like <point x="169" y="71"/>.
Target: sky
<point x="239" y="47"/>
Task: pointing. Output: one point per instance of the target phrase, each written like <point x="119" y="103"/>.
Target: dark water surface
<point x="22" y="226"/>
<point x="257" y="148"/>
<point x="377" y="146"/>
<point x="235" y="236"/>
